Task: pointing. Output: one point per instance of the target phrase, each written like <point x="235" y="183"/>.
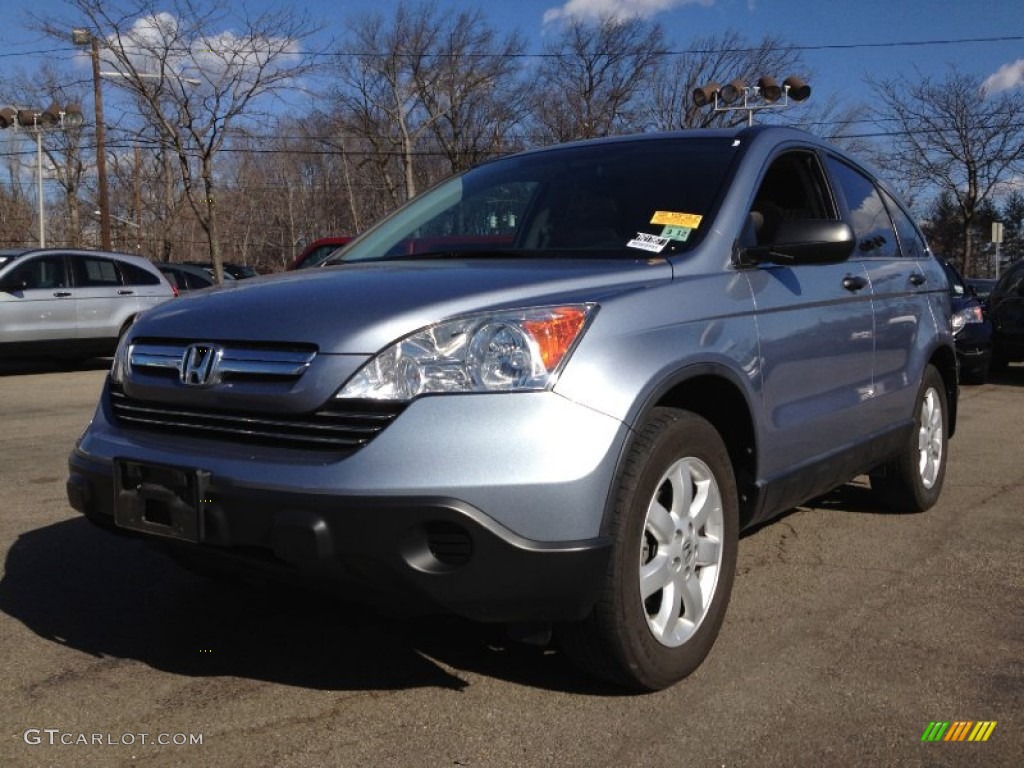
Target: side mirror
<point x="805" y="241"/>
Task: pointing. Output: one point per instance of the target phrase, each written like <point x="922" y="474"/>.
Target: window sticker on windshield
<point x="688" y="220"/>
<point x="647" y="242"/>
<point x="678" y="234"/>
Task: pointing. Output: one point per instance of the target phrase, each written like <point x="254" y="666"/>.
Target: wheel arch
<point x="944" y="360"/>
<point x="716" y="394"/>
<point x="127" y="324"/>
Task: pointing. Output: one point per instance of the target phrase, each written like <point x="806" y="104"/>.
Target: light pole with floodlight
<point x="767" y="94"/>
<point x="39" y="121"/>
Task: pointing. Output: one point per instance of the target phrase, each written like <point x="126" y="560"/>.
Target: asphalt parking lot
<point x="850" y="630"/>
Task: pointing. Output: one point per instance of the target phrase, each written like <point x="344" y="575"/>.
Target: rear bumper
<point x="406" y="555"/>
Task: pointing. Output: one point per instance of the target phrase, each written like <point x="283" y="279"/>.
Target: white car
<point x="72" y="303"/>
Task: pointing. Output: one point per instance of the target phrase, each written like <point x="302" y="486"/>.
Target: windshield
<point x="624" y="199"/>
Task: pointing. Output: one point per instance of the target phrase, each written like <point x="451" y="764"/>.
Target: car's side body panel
<point x="77" y="302"/>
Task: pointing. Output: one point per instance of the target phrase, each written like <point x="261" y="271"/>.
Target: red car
<point x="317" y="252"/>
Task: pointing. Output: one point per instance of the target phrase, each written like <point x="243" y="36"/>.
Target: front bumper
<point x="509" y="535"/>
<point x="974" y="360"/>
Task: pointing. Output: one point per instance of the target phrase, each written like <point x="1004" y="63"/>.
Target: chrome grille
<point x="235" y="362"/>
<point x="334" y="427"/>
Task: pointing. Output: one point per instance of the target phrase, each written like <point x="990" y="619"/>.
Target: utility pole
<point x="83" y="37"/>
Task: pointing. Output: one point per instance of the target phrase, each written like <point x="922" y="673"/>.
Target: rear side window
<point x="92" y="272"/>
<point x="133" y="275"/>
<point x="42" y="273"/>
<point x="866" y="213"/>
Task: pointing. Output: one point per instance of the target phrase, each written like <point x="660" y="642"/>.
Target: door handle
<point x="854" y="282"/>
<point x="918" y="279"/>
<point x="125" y="293"/>
<point x="61" y="294"/>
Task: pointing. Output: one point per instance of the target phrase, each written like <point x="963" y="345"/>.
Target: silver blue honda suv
<point x="549" y="392"/>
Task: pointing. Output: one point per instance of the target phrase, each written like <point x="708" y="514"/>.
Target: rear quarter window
<point x="912" y="244"/>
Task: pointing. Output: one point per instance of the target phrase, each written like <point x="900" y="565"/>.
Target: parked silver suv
<point x="552" y="390"/>
<point x="72" y="303"/>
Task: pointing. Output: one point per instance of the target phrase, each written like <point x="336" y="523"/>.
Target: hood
<point x="361" y="308"/>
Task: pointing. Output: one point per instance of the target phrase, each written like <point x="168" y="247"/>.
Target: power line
<point x="543" y="55"/>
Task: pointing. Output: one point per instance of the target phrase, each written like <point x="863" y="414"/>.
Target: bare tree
<point x="594" y="78"/>
<point x="15" y="208"/>
<point x="424" y="84"/>
<point x="196" y="68"/>
<point x="719" y="59"/>
<point x="954" y="136"/>
<point x="471" y="90"/>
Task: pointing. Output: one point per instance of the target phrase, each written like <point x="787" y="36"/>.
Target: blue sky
<point x="826" y="22"/>
<point x="882" y="33"/>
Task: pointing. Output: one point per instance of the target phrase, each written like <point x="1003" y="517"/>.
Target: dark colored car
<point x="1006" y="309"/>
<point x="317" y="252"/>
<point x="551" y="391"/>
<point x="971" y="328"/>
<point x="235" y="271"/>
<point x="981" y="287"/>
<point x="186" y="277"/>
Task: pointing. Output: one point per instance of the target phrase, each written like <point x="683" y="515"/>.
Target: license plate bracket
<point x="159" y="499"/>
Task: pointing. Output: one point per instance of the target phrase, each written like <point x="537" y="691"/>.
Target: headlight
<point x="965" y="316"/>
<point x="120" y="363"/>
<point x="515" y="350"/>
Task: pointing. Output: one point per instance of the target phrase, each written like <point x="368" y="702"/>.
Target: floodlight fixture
<point x="733" y="91"/>
<point x="797" y="89"/>
<point x="706" y="94"/>
<point x="51" y="115"/>
<point x="29" y="117"/>
<point x="737" y="96"/>
<point x="8" y="115"/>
<point x="73" y="117"/>
<point x="769" y="89"/>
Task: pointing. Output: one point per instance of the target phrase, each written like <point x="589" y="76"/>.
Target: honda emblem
<point x="200" y="364"/>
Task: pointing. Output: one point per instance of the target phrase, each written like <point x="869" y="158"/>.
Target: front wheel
<point x="912" y="481"/>
<point x="675" y="530"/>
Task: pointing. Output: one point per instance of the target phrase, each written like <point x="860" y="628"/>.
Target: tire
<point x="675" y="530"/>
<point x="913" y="480"/>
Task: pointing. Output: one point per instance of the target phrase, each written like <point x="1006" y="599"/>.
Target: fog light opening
<point x="449" y="543"/>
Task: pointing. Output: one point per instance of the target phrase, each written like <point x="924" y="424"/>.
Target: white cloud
<point x="1008" y="76"/>
<point x="616" y="9"/>
<point x="160" y="44"/>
